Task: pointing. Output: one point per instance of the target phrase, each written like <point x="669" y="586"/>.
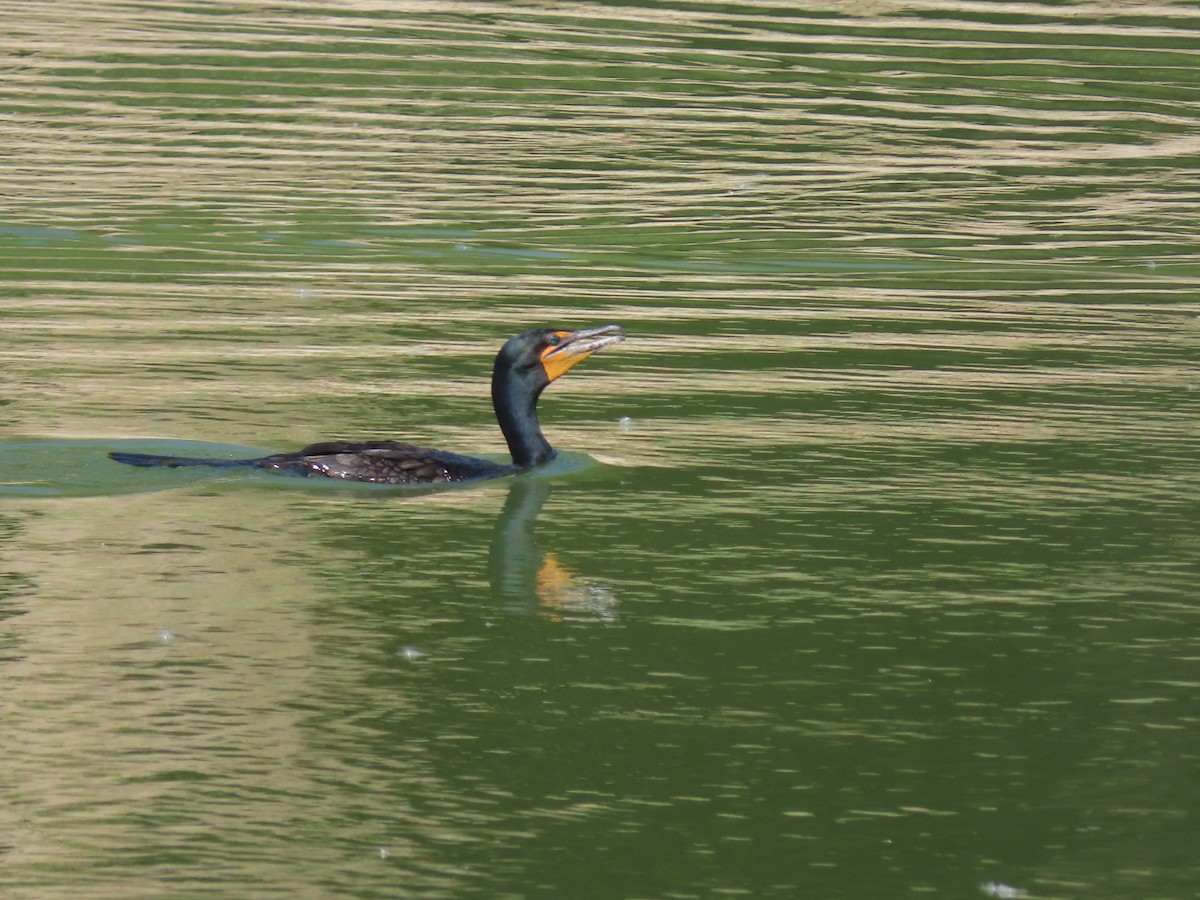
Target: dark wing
<point x="382" y="462"/>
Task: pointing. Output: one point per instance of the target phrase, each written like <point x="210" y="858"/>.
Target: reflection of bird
<point x="525" y="578"/>
<point x="524" y="366"/>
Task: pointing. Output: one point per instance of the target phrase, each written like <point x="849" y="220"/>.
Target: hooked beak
<point x="576" y="346"/>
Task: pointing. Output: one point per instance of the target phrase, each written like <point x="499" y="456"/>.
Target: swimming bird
<point x="525" y="365"/>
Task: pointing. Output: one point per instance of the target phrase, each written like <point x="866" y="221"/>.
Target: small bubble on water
<point x="625" y="423"/>
<point x="410" y="653"/>
<point x="384" y="853"/>
<point x="166" y="636"/>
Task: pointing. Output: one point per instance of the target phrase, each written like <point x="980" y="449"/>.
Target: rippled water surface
<point x="870" y="564"/>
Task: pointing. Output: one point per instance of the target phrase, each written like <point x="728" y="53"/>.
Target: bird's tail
<point x="149" y="460"/>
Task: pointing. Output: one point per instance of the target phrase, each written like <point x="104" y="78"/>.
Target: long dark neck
<point x="516" y="411"/>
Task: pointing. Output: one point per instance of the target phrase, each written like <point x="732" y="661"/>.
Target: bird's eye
<point x="554" y="340"/>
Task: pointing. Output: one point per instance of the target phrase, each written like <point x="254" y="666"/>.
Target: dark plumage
<point x="524" y="366"/>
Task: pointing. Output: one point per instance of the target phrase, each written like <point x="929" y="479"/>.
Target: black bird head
<point x="524" y="366"/>
<point x="541" y="355"/>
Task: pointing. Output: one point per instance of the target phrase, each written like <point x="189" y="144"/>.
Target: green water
<point x="869" y="565"/>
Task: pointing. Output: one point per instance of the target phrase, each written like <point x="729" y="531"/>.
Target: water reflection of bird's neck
<point x="514" y="560"/>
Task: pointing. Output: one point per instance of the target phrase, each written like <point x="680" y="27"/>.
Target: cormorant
<point x="524" y="366"/>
